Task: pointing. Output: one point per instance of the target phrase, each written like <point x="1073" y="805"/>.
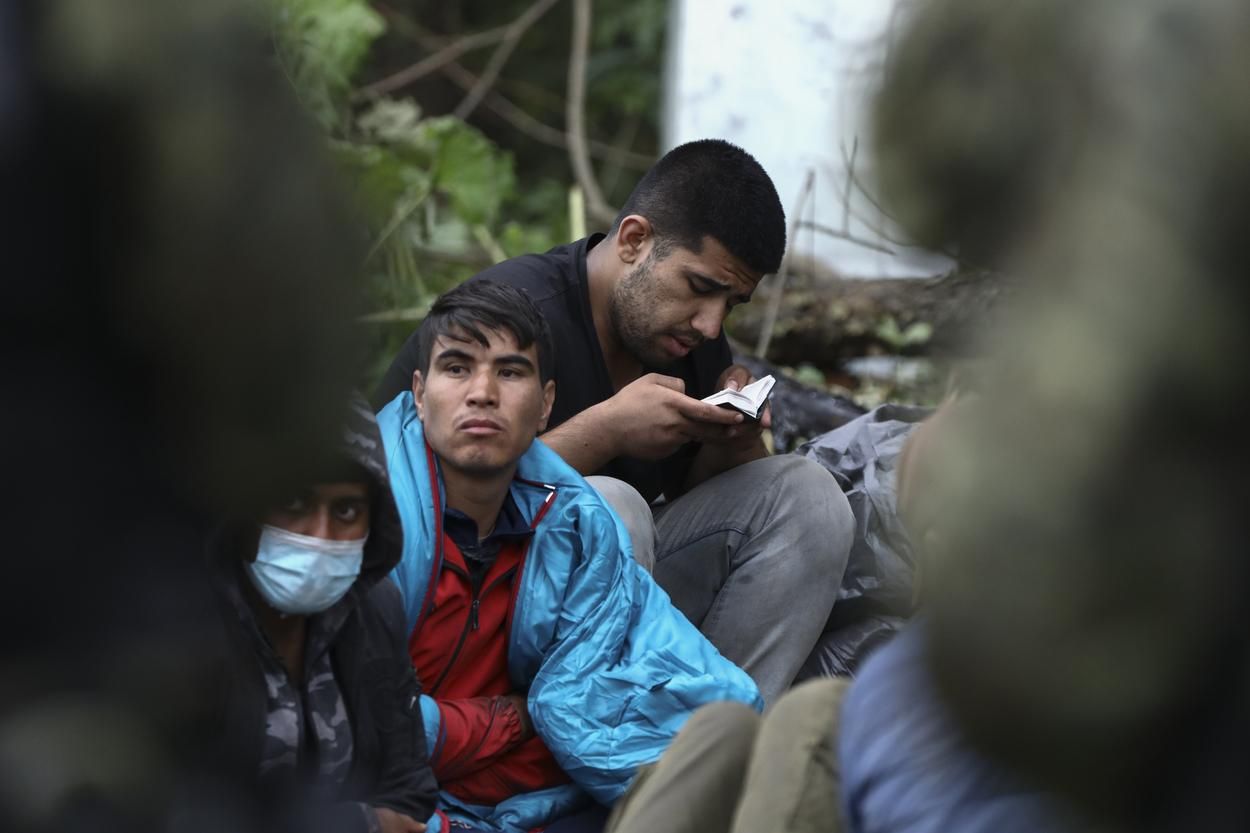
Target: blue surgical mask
<point x="301" y="574"/>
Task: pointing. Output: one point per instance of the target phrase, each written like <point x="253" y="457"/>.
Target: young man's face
<point x="665" y="308"/>
<point x="482" y="406"/>
<point x="332" y="511"/>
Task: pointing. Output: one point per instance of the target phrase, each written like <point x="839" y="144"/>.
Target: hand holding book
<point x="750" y="400"/>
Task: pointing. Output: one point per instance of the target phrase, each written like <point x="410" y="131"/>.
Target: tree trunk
<point x="825" y="323"/>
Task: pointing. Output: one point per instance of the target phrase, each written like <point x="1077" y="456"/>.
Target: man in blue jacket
<point x="553" y="665"/>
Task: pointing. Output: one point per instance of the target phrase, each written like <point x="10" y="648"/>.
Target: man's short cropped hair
<point x="716" y="189"/>
<point x="476" y="306"/>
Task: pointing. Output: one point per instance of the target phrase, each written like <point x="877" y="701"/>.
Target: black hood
<point x="362" y="444"/>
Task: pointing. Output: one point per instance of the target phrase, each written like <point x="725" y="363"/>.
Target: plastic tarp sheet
<point x="876" y="596"/>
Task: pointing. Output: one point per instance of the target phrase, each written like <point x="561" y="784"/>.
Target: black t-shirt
<point x="557" y="283"/>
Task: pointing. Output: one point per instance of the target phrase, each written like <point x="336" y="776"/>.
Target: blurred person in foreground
<point x="1086" y="621"/>
<point x="554" y="665"/>
<point x="750" y="547"/>
<point x="322" y="707"/>
<point x="879" y="754"/>
<point x="176" y="345"/>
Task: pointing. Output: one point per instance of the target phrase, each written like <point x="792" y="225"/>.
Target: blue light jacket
<point x="612" y="669"/>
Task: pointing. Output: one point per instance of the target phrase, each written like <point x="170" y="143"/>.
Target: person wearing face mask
<point x="323" y="702"/>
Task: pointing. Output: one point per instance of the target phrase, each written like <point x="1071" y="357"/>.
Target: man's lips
<point x="679" y="346"/>
<point x="479" y="427"/>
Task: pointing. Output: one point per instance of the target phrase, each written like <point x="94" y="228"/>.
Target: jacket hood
<point x="362" y="444"/>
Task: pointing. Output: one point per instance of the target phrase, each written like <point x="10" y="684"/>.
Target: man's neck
<point x="602" y="273"/>
<point x="481" y="499"/>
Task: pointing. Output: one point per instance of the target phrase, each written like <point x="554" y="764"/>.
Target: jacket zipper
<point x="470" y="624"/>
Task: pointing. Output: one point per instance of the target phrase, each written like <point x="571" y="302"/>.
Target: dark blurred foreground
<point x="1088" y="583"/>
<point x="176" y="348"/>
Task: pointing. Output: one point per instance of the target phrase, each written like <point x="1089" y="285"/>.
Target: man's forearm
<point x="587" y="442"/>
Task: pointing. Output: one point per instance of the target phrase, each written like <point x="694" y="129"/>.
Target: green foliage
<point x="916" y="334"/>
<point x="430" y="190"/>
<point x="627" y="46"/>
<point x="321" y="45"/>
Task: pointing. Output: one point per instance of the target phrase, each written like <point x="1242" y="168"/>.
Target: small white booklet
<point x="750" y="400"/>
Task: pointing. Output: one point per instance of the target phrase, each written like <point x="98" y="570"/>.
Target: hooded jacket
<point x="611" y="668"/>
<point x="368" y="655"/>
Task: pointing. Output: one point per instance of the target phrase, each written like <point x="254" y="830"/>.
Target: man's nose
<point x="483" y="389"/>
<point x="321" y="523"/>
<point x="708" y="319"/>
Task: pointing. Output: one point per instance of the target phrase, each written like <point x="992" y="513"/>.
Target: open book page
<point x="750" y="400"/>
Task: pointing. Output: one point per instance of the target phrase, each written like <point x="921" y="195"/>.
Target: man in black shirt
<point x="750" y="547"/>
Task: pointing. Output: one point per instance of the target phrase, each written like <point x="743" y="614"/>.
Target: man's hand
<point x="649" y="418"/>
<point x="519" y="701"/>
<point x="393" y="822"/>
<point x="745" y="435"/>
<point x="654" y="417"/>
<point x="734" y="444"/>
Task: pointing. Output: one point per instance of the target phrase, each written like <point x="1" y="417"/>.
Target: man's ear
<point x="418" y="391"/>
<point x="549" y="398"/>
<point x="634" y="237"/>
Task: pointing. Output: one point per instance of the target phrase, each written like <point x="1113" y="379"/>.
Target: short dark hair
<point x="716" y="189"/>
<point x="485" y="305"/>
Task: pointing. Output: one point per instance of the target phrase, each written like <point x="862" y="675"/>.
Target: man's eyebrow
<point x="742" y="297"/>
<point x="515" y="358"/>
<point x="453" y="353"/>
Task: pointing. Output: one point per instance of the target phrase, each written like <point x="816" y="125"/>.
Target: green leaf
<point x="390" y="120"/>
<point x="810" y="375"/>
<point x="321" y="44"/>
<point x="473" y="173"/>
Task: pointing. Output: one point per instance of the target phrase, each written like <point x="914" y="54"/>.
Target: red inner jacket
<point x="460" y="651"/>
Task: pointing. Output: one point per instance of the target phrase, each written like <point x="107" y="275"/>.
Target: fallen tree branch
<point x="575" y="115"/>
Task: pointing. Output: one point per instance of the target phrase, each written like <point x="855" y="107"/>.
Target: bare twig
<point x="779" y="280"/>
<point x="501" y="55"/>
<point x="435" y="62"/>
<point x="575" y="115"/>
<point x="847" y="236"/>
<point x="878" y="228"/>
<point x="577" y="213"/>
<point x="502" y="106"/>
<point x="846" y="192"/>
<point x="624" y="139"/>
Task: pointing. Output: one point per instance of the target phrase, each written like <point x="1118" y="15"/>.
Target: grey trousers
<point x="753" y="557"/>
<point x="731" y="770"/>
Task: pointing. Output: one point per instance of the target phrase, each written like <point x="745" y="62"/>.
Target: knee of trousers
<point x="728" y="726"/>
<point x="811" y="505"/>
<point x="634" y="512"/>
<point x="813" y="706"/>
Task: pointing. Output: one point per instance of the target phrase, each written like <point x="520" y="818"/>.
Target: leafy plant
<point x="429" y="189"/>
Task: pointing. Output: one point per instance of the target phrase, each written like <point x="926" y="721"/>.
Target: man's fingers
<point x="706" y="432"/>
<point x="704" y="412"/>
<point x="736" y="377"/>
<point x="670" y="382"/>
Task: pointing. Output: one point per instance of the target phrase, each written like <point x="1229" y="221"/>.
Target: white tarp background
<point x="790" y="81"/>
